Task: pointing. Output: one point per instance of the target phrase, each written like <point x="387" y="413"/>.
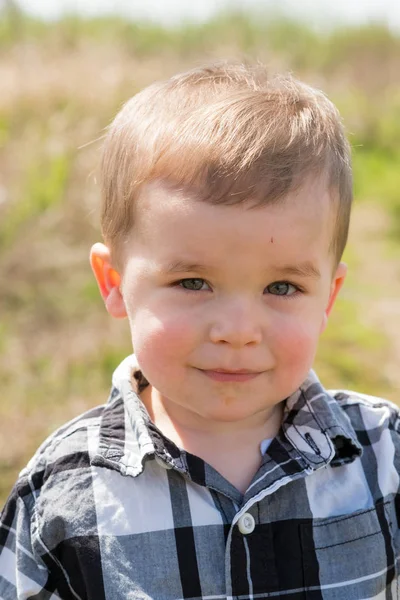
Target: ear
<point x="336" y="285"/>
<point x="108" y="280"/>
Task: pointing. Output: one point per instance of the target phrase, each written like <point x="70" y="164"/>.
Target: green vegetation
<point x="45" y="185"/>
<point x="61" y="85"/>
<point x="376" y="176"/>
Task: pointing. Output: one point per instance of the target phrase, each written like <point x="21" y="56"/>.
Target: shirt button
<point x="246" y="523"/>
<point x="162" y="463"/>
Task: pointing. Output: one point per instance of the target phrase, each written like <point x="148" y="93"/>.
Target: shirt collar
<point x="313" y="425"/>
<point x="317" y="427"/>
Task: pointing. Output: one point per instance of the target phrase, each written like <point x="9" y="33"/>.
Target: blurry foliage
<point x="248" y="33"/>
<point x="61" y="85"/>
<point x="352" y="352"/>
<point x="44" y="187"/>
<point x="376" y="177"/>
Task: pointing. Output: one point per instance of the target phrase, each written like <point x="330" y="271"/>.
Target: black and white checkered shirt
<point x="109" y="508"/>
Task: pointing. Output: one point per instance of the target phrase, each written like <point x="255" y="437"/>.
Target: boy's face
<point x="225" y="303"/>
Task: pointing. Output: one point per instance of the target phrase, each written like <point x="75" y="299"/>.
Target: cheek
<point x="296" y="342"/>
<point x="161" y="341"/>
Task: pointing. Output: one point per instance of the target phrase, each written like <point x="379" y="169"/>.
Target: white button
<point x="246" y="523"/>
<point x="162" y="463"/>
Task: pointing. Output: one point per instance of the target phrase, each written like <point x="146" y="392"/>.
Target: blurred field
<point x="61" y="85"/>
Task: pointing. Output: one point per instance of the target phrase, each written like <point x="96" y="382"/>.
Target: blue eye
<point x="192" y="284"/>
<point x="282" y="288"/>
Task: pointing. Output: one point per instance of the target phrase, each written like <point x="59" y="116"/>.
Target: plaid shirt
<point x="109" y="508"/>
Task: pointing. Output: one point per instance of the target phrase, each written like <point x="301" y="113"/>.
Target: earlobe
<point x="336" y="285"/>
<point x="108" y="280"/>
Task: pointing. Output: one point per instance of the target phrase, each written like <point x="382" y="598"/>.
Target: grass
<point x="376" y="179"/>
<point x="62" y="84"/>
<point x="350" y="352"/>
<point x="45" y="183"/>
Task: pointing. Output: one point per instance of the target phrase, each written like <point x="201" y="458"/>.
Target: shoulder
<point x="67" y="449"/>
<point x="373" y="408"/>
<point x="57" y="485"/>
<point x="372" y="417"/>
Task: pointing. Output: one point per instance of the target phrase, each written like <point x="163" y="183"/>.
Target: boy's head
<point x="227" y="134"/>
<point x="226" y="210"/>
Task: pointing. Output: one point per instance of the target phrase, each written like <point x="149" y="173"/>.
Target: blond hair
<point x="227" y="133"/>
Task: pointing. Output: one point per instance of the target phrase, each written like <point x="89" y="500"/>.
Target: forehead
<point x="171" y="221"/>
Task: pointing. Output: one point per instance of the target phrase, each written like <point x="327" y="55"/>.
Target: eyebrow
<point x="305" y="269"/>
<point x="180" y="266"/>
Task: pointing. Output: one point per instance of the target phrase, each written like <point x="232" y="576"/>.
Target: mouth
<point x="233" y="371"/>
<point x="224" y="375"/>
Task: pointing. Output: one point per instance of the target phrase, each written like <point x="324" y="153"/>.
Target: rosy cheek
<point x="161" y="339"/>
<point x="295" y="342"/>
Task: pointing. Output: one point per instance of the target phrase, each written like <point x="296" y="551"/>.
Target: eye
<point x="193" y="284"/>
<point x="282" y="288"/>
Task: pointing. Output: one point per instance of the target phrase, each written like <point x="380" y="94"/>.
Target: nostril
<point x="236" y="335"/>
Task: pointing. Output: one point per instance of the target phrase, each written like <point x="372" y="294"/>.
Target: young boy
<point x="220" y="467"/>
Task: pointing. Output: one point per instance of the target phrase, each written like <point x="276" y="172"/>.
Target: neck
<point x="170" y="415"/>
<point x="232" y="448"/>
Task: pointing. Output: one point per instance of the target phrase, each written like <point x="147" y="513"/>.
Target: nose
<point x="236" y="323"/>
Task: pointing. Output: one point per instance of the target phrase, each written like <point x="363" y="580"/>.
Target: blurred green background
<point x="61" y="84"/>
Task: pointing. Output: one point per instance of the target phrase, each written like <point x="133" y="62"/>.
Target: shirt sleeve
<point x="22" y="575"/>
